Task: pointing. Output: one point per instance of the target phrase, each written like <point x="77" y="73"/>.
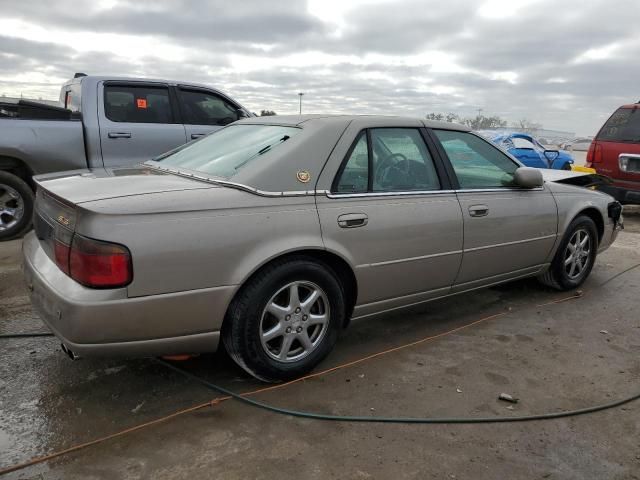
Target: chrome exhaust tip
<point x="69" y="352"/>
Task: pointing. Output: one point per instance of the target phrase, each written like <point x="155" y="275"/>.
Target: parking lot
<point x="551" y="355"/>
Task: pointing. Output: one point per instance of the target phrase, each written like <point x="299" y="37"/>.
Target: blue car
<point x="529" y="151"/>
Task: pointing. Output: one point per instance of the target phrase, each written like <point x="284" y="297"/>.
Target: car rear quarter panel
<point x="176" y="247"/>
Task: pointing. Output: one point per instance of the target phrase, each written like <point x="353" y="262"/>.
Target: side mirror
<point x="527" y="177"/>
<point x="241" y="114"/>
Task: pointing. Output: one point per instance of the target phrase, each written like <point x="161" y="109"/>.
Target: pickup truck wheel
<point x="285" y="320"/>
<point x="16" y="206"/>
<point x="575" y="256"/>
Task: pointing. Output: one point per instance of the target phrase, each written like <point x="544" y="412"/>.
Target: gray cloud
<point x="539" y="43"/>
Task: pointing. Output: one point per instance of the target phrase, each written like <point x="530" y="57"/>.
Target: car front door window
<point x="477" y="163"/>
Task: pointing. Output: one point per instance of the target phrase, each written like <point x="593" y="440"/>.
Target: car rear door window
<point x="622" y="126"/>
<point x="388" y="160"/>
<point x="133" y="104"/>
<point x="477" y="163"/>
<point x="401" y="161"/>
<point x="355" y="174"/>
<point x="205" y="108"/>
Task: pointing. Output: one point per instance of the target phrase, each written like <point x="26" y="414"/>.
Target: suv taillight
<point x="92" y="263"/>
<point x="594" y="155"/>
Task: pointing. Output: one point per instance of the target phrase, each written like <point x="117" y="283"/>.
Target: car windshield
<point x="226" y="151"/>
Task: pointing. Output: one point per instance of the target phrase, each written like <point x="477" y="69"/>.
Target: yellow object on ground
<point x="580" y="168"/>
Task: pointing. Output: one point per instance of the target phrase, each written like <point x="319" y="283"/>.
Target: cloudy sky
<point x="564" y="63"/>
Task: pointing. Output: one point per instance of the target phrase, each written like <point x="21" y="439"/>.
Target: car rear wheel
<point x="575" y="256"/>
<point x="285" y="320"/>
<point x="16" y="206"/>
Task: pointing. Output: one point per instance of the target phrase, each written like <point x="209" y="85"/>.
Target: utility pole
<point x="300" y="95"/>
<point x="479" y="111"/>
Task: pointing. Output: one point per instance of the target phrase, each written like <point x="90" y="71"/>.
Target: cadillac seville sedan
<point x="272" y="233"/>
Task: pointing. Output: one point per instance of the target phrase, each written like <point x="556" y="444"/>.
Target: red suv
<point x="615" y="153"/>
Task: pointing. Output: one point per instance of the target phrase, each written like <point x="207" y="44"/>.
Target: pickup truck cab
<point x="102" y="122"/>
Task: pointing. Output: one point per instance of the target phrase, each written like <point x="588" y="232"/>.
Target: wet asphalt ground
<point x="554" y="357"/>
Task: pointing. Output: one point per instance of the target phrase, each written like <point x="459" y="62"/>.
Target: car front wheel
<point x="285" y="320"/>
<point x="575" y="256"/>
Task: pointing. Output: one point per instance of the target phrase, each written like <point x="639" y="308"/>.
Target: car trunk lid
<point x="82" y="186"/>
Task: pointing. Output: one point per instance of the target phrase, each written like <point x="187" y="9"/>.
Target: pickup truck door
<point x="509" y="231"/>
<point x="204" y="111"/>
<point x="137" y="121"/>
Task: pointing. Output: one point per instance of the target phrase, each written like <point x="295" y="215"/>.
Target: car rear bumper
<point x="108" y="323"/>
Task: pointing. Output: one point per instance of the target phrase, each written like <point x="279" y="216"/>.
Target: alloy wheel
<point x="577" y="255"/>
<point x="294" y="321"/>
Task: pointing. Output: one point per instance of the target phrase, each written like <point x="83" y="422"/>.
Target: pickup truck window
<point x="123" y="103"/>
<point x="202" y="108"/>
<point x="72" y="97"/>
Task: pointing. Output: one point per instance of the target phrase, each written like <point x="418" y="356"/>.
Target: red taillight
<point x="594" y="155"/>
<point x="98" y="264"/>
<point x="61" y="254"/>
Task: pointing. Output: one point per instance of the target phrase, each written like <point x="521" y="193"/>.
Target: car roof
<point x="364" y="121"/>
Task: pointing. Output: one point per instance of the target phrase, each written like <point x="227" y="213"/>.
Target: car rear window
<point x="224" y="152"/>
<point x="623" y="126"/>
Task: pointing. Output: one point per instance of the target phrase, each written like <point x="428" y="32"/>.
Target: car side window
<point x="203" y="108"/>
<point x="477" y="163"/>
<point x="133" y="104"/>
<point x="519" y="142"/>
<point x="401" y="161"/>
<point x="354" y="177"/>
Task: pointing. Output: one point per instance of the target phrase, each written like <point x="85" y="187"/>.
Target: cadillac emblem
<point x="303" y="176"/>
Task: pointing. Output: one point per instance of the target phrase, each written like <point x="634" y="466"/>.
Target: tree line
<point x="483" y="122"/>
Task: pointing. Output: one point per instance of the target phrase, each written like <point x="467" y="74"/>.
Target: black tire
<point x="557" y="276"/>
<point x="566" y="166"/>
<point x="242" y="329"/>
<point x="27" y="200"/>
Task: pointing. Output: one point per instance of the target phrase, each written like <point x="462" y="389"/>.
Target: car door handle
<point x="197" y="135"/>
<point x="119" y="134"/>
<point x="352" y="220"/>
<point x="478" y="210"/>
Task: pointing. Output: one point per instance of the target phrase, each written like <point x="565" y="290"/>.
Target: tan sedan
<point x="272" y="233"/>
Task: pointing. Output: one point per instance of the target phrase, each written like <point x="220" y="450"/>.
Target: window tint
<point x="355" y="175"/>
<point x="477" y="163"/>
<point x="137" y="104"/>
<point x="201" y="108"/>
<point x="400" y="162"/>
<point x="623" y="126"/>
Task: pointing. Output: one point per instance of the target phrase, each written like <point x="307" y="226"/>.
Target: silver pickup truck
<point x="101" y="122"/>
